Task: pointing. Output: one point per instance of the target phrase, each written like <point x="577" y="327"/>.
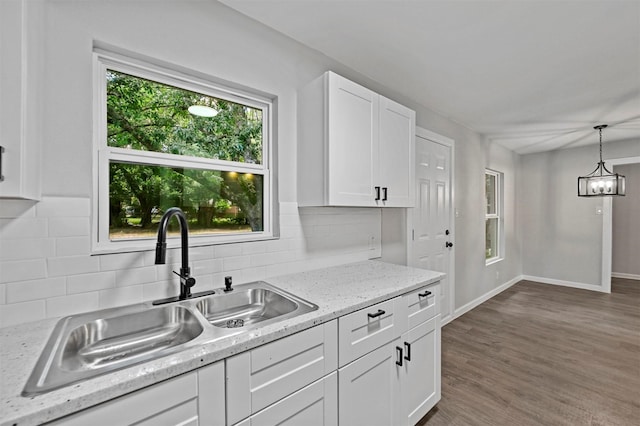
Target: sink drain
<point x="235" y="323"/>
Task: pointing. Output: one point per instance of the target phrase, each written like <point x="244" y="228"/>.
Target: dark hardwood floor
<point x="539" y="354"/>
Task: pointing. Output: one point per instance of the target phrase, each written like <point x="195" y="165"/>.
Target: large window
<point x="493" y="216"/>
<point x="166" y="139"/>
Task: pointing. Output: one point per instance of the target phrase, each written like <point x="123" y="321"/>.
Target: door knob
<point x="448" y="244"/>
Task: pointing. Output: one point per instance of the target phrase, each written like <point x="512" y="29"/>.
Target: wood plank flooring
<point x="539" y="354"/>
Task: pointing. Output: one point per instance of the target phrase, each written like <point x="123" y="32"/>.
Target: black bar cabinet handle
<point x="384" y="194"/>
<point x="425" y="294"/>
<point x="399" y="361"/>
<point x="1" y="152"/>
<point x="407" y="345"/>
<point x="377" y="188"/>
<point x="377" y="314"/>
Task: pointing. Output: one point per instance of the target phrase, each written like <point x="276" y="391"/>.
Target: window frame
<point x="498" y="215"/>
<point x="103" y="154"/>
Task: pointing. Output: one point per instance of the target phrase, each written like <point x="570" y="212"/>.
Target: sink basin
<point x="250" y="304"/>
<point x="88" y="345"/>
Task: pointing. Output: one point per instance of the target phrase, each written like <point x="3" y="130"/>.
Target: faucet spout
<point x="186" y="280"/>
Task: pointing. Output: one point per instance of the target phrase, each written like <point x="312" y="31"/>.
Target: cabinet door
<point x="352" y="127"/>
<point x="314" y="405"/>
<point x="369" y="389"/>
<point x="211" y="395"/>
<point x="397" y="170"/>
<point x="20" y="125"/>
<point x="266" y="374"/>
<point x="421" y="370"/>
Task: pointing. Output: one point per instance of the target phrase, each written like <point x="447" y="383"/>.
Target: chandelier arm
<point x="594" y="172"/>
<point x="607" y="170"/>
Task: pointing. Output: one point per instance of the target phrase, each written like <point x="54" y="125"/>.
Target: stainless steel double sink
<point x="87" y="345"/>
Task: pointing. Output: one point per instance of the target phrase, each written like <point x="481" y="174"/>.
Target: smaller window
<point x="493" y="216"/>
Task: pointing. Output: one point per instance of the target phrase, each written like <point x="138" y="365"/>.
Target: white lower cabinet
<point x="192" y="399"/>
<point x="313" y="405"/>
<point x="420" y="370"/>
<point x="369" y="389"/>
<point x="265" y="375"/>
<point x="399" y="382"/>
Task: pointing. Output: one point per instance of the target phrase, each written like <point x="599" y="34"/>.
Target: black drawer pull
<point x="377" y="314"/>
<point x="407" y="345"/>
<point x="399" y="361"/>
<point x="384" y="194"/>
<point x="425" y="294"/>
<point x="377" y="188"/>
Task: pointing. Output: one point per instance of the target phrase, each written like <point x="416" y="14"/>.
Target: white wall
<point x="626" y="224"/>
<point x="46" y="269"/>
<point x="561" y="232"/>
<point x="45" y="266"/>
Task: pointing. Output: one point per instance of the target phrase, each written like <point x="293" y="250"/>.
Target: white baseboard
<point x="573" y="284"/>
<point x="469" y="306"/>
<point x="626" y="276"/>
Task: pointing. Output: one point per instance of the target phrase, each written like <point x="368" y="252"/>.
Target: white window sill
<point x="493" y="260"/>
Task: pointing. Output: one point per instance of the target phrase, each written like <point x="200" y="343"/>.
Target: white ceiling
<point x="531" y="75"/>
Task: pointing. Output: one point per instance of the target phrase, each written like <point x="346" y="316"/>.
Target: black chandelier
<point x="601" y="182"/>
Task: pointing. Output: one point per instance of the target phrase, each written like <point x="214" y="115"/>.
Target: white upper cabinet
<point x="352" y="151"/>
<point x="397" y="169"/>
<point x="355" y="146"/>
<point x="20" y="114"/>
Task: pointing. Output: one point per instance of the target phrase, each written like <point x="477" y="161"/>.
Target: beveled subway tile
<point x="24" y="291"/>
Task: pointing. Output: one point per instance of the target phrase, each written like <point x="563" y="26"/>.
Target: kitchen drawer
<point x="316" y="404"/>
<point x="422" y="304"/>
<point x="266" y="374"/>
<point x="170" y="402"/>
<point x="367" y="329"/>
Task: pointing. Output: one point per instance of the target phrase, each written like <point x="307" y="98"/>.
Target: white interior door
<point x="432" y="236"/>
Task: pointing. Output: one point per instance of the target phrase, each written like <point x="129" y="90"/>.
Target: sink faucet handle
<point x="189" y="281"/>
<point x="186" y="279"/>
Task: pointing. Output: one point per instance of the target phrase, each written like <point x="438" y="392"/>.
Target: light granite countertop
<point x="337" y="291"/>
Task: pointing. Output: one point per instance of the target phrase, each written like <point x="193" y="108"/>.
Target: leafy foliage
<point x="149" y="116"/>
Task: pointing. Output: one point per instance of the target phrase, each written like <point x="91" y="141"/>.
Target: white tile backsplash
<point x="71" y="304"/>
<point x="23" y="270"/>
<point x="46" y="269"/>
<point x="24" y="291"/>
<point x="114" y="262"/>
<point x="27" y="248"/>
<point x="72" y="265"/>
<point x="63" y="207"/>
<point x="72" y="246"/>
<point x="17" y="208"/>
<point x="136" y="276"/>
<point x="120" y="296"/>
<point x="23" y="227"/>
<point x="18" y="313"/>
<point x="85" y="283"/>
<point x="236" y="262"/>
<point x="69" y="227"/>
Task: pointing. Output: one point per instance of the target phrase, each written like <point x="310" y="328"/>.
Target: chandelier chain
<point x="600" y="144"/>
